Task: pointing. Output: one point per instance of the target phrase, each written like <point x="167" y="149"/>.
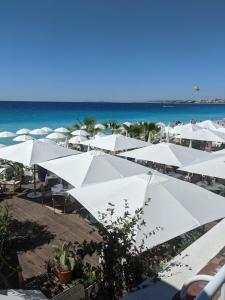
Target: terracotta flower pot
<point x="65" y="276"/>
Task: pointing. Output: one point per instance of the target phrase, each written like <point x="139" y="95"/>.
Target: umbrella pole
<point x="34" y="193"/>
<point x="34" y="181"/>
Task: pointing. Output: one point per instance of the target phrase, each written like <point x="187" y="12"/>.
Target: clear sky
<point x="112" y="50"/>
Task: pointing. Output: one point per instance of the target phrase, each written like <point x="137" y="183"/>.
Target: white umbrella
<point x="208" y="124"/>
<point x="38" y="131"/>
<point x="175" y="206"/>
<point x="23" y="131"/>
<point x="83" y="127"/>
<point x="62" y="130"/>
<point x="99" y="135"/>
<point x="99" y="126"/>
<point x="45" y="140"/>
<point x="80" y="132"/>
<point x="23" y="138"/>
<point x="167" y="154"/>
<point x="186" y="129"/>
<point x="213" y="166"/>
<point x="206" y="135"/>
<point x="56" y="136"/>
<point x="128" y="124"/>
<point x="7" y="134"/>
<point x="116" y="142"/>
<point x="92" y="167"/>
<point x="47" y="129"/>
<point x="77" y="139"/>
<point x="33" y="152"/>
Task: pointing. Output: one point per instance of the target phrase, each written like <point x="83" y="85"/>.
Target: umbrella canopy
<point x="44" y="140"/>
<point x="99" y="134"/>
<point x="77" y="139"/>
<point x="7" y="134"/>
<point x="213" y="167"/>
<point x="47" y="129"/>
<point x="38" y="131"/>
<point x="23" y="138"/>
<point x="206" y="135"/>
<point x="99" y="126"/>
<point x="175" y="206"/>
<point x="56" y="136"/>
<point x="187" y="129"/>
<point x="167" y="154"/>
<point x="92" y="167"/>
<point x="62" y="130"/>
<point x="128" y="124"/>
<point x="32" y="152"/>
<point x="23" y="131"/>
<point x="80" y="133"/>
<point x="116" y="142"/>
<point x="208" y="124"/>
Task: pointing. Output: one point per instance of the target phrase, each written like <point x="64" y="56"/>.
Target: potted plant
<point x="66" y="261"/>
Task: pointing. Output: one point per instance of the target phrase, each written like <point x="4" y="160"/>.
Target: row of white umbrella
<point x="207" y="131"/>
<point x="99" y="178"/>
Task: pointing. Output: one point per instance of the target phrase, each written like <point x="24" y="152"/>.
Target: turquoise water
<point x="16" y="115"/>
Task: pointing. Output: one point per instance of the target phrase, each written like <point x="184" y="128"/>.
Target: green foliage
<point x="5" y="232"/>
<point x="122" y="262"/>
<point x="65" y="256"/>
<point x="89" y="123"/>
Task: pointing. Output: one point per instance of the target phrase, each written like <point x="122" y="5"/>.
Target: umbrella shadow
<point x="28" y="235"/>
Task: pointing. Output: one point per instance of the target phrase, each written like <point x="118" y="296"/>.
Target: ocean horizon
<point x="27" y="114"/>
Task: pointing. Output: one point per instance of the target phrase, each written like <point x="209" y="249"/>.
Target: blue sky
<point x="111" y="50"/>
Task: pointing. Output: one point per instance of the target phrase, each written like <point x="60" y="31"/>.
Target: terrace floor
<point x="44" y="229"/>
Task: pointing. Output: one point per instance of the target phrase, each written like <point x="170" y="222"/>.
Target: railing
<point x="215" y="283"/>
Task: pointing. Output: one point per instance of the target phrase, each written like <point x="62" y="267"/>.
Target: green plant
<point x="5" y="231"/>
<point x="122" y="262"/>
<point x="65" y="256"/>
<point x="89" y="123"/>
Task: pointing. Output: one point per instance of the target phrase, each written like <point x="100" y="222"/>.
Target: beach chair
<point x="59" y="200"/>
<point x="45" y="194"/>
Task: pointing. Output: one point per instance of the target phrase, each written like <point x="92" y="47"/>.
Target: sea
<point x="16" y="115"/>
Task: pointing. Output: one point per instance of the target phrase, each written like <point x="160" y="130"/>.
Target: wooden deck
<point x="49" y="229"/>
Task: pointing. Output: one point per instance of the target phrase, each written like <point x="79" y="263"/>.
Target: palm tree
<point x="90" y="124"/>
<point x="149" y="129"/>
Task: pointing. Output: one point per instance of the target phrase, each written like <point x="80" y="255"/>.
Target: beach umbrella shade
<point x="56" y="136"/>
<point x="77" y="139"/>
<point x="167" y="154"/>
<point x="47" y="129"/>
<point x="23" y="131"/>
<point x="212" y="167"/>
<point x="99" y="135"/>
<point x="80" y="132"/>
<point x="7" y="134"/>
<point x="208" y="124"/>
<point x="205" y="135"/>
<point x="186" y="129"/>
<point x="23" y="138"/>
<point x="99" y="126"/>
<point x="128" y="124"/>
<point x="45" y="140"/>
<point x="33" y="152"/>
<point x="175" y="207"/>
<point x="38" y="131"/>
<point x="115" y="142"/>
<point x="62" y="130"/>
<point x="92" y="167"/>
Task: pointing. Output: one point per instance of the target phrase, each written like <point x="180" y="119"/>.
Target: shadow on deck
<point x="38" y="228"/>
